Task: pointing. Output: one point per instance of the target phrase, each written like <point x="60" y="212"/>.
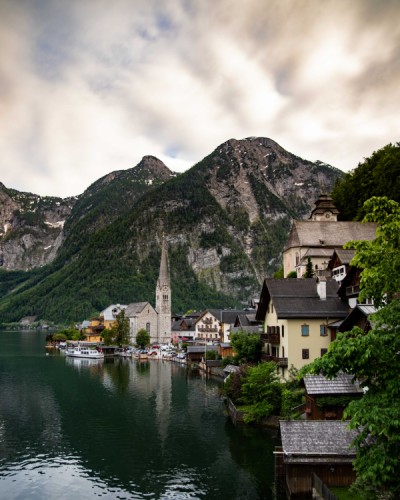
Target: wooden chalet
<point x="359" y="316"/>
<point x="327" y="398"/>
<point x="322" y="447"/>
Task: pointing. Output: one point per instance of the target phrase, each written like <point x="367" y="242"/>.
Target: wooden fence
<point x="321" y="489"/>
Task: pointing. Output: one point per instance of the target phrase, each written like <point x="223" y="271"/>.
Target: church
<point x="142" y="315"/>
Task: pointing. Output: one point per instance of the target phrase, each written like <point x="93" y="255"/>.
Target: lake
<point x="120" y="429"/>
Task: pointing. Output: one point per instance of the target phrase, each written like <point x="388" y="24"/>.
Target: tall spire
<point x="163" y="278"/>
<point x="163" y="297"/>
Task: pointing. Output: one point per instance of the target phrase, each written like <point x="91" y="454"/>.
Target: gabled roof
<point x="245" y="319"/>
<point x="311" y="233"/>
<point x="298" y="298"/>
<point x="360" y="312"/>
<point x="341" y="384"/>
<point x="136" y="308"/>
<point x="223" y="315"/>
<point x="345" y="255"/>
<point x="317" y="441"/>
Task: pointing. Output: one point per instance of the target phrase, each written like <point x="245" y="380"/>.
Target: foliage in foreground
<point x="259" y="393"/>
<point x="247" y="347"/>
<point x="373" y="358"/>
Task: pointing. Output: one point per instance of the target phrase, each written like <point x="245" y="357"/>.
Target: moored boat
<point x="84" y="352"/>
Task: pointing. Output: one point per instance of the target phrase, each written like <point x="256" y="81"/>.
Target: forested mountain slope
<point x="226" y="220"/>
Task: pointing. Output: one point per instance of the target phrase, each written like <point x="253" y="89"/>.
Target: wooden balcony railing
<point x="271" y="338"/>
<point x="279" y="361"/>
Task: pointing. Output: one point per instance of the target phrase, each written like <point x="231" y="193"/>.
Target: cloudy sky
<point x="91" y="86"/>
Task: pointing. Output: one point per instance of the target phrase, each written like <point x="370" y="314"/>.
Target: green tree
<point x="380" y="259"/>
<point x="378" y="175"/>
<point x="373" y="357"/>
<point x="120" y="329"/>
<point x="142" y="338"/>
<point x="309" y="269"/>
<point x="261" y="392"/>
<point x="247" y="347"/>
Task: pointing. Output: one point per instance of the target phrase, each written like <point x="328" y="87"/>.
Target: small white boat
<point x="84" y="352"/>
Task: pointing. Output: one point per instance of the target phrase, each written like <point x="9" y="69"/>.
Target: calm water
<point x="119" y="429"/>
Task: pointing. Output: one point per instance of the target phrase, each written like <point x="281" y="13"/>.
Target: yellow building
<point x="296" y="316"/>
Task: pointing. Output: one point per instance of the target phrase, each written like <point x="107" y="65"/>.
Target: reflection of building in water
<point x="150" y="381"/>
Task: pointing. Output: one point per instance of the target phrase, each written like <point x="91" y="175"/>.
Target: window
<point x="148" y="327"/>
<point x="305" y="330"/>
<point x="323" y="351"/>
<point x="305" y="354"/>
<point x="323" y="330"/>
<point x="283" y="331"/>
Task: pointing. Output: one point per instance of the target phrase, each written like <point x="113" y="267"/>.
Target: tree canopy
<point x="142" y="338"/>
<point x="247" y="347"/>
<point x="378" y="175"/>
<point x="373" y="357"/>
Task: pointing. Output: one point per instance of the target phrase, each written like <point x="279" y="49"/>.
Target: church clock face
<point x="165" y="288"/>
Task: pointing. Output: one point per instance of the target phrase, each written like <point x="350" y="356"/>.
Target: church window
<point x="148" y="327"/>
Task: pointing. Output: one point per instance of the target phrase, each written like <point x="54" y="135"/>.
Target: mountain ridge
<point x="226" y="220"/>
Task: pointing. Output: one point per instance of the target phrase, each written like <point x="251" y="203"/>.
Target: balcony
<point x="271" y="338"/>
<point x="279" y="361"/>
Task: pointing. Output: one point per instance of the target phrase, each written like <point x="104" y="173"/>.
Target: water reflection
<point x="82" y="428"/>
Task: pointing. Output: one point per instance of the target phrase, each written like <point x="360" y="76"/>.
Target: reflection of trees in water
<point x="119" y="372"/>
<point x="142" y="367"/>
<point x="252" y="448"/>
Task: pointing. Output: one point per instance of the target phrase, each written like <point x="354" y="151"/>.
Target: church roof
<point x="335" y="234"/>
<point x="136" y="308"/>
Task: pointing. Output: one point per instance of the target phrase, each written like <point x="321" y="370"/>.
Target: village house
<point x="326" y="398"/>
<point x="296" y="315"/>
<point x="109" y="315"/>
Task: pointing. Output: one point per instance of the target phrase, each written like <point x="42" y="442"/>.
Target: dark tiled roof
<point x="314" y="440"/>
<point x="341" y="384"/>
<point x="298" y="298"/>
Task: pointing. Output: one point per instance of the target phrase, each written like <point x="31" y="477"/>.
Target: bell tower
<point x="163" y="297"/>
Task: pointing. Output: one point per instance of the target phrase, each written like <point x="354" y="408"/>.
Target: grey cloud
<point x="89" y="87"/>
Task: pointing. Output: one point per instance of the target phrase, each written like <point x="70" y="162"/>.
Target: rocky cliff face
<point x="31" y="228"/>
<point x="226" y="221"/>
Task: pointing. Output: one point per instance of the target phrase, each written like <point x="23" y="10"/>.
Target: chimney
<point x="321" y="287"/>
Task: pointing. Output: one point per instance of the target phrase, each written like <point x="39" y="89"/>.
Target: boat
<point x="84" y="352"/>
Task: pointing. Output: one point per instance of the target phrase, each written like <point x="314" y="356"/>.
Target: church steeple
<point x="163" y="278"/>
<point x="324" y="209"/>
<point x="163" y="297"/>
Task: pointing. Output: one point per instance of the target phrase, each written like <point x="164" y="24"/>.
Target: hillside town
<point x="296" y="318"/>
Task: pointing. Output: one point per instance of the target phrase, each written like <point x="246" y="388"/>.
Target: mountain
<point x="225" y="220"/>
<point x="31" y="228"/>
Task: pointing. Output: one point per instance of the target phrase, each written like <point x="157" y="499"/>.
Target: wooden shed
<point x="319" y="446"/>
<point x="327" y="398"/>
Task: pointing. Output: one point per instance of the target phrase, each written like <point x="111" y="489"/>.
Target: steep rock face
<point x="31" y="228"/>
<point x="260" y="188"/>
<point x="226" y="221"/>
